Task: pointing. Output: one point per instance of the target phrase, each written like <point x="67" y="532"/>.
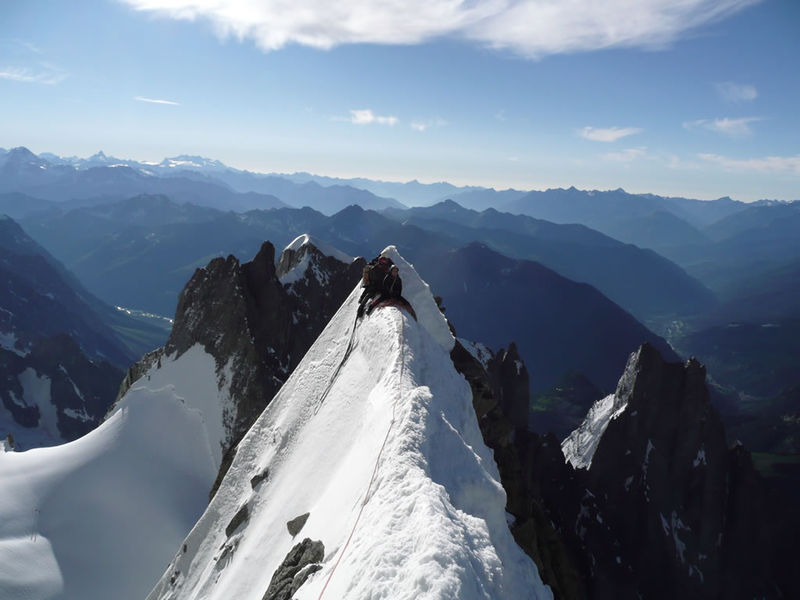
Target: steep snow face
<point x="580" y="445"/>
<point x="418" y="293"/>
<point x="381" y="446"/>
<point x="99" y="517"/>
<point x="326" y="249"/>
<point x="192" y="379"/>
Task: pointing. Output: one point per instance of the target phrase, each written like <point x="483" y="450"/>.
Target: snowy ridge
<point x="326" y="249"/>
<point x="61" y="538"/>
<point x="392" y="468"/>
<point x="154" y="460"/>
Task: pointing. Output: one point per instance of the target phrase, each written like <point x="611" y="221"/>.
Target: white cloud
<point x="626" y="156"/>
<point x="531" y="28"/>
<point x="736" y="92"/>
<point x="156" y="101"/>
<point x="367" y="117"/>
<point x="767" y="164"/>
<point x="730" y="127"/>
<point x="610" y="134"/>
<point x="47" y="75"/>
<point x="428" y="124"/>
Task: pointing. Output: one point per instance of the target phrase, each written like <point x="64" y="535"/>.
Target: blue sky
<point x="696" y="98"/>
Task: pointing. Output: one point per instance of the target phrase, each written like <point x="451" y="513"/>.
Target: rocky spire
<point x="668" y="510"/>
<point x="256" y="326"/>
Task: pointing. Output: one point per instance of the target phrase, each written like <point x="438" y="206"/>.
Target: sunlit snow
<point x="390" y="464"/>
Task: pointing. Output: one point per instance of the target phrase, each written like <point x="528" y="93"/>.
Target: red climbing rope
<point x="374" y="470"/>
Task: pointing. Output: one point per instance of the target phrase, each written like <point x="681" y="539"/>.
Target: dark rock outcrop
<point x="500" y="397"/>
<point x="673" y="511"/>
<point x="660" y="508"/>
<point x="242" y="515"/>
<point x="296" y="568"/>
<point x="256" y="326"/>
<point x="55" y="377"/>
<point x="296" y="525"/>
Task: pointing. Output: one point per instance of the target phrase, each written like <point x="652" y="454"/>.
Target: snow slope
<point x="328" y="250"/>
<point x="99" y="517"/>
<point x="580" y="445"/>
<point x="386" y="456"/>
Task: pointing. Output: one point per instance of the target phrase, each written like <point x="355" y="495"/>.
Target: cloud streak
<point x="48" y="75"/>
<point x="530" y="28"/>
<point x="367" y="117"/>
<point x="156" y="101"/>
<point x="736" y="92"/>
<point x="610" y="134"/>
<point x="424" y="125"/>
<point x="735" y="128"/>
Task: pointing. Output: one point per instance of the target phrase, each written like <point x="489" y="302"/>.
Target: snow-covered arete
<point x="326" y="249"/>
<point x="392" y="468"/>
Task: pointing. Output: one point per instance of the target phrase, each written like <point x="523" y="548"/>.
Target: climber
<point x="392" y="284"/>
<point x="382" y="287"/>
<point x="372" y="280"/>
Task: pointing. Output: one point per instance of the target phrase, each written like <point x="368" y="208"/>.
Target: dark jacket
<point x="392" y="286"/>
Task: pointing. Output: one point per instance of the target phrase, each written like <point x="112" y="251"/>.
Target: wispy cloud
<point x="532" y="28"/>
<point x="156" y="101"/>
<point x="767" y="164"/>
<point x="736" y="92"/>
<point x="367" y="117"/>
<point x="609" y="134"/>
<point x="46" y="75"/>
<point x="729" y="127"/>
<point x="420" y="125"/>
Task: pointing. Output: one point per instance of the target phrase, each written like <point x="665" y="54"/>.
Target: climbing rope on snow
<point x="347" y="352"/>
<point x="377" y="462"/>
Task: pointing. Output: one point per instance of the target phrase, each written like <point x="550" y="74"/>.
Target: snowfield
<point x="99" y="517"/>
<point x="391" y="468"/>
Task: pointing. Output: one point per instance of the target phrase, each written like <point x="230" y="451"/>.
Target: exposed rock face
<point x="658" y="507"/>
<point x="296" y="525"/>
<point x="256" y="326"/>
<point x="667" y="509"/>
<point x="54" y="393"/>
<point x="500" y="398"/>
<point x="299" y="564"/>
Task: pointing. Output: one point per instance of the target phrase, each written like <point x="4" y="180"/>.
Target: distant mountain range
<point x="728" y="261"/>
<point x="140" y="252"/>
<point x="644" y="283"/>
<point x="62" y="351"/>
<point x="204" y="182"/>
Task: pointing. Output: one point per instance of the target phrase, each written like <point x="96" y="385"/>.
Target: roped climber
<point x="382" y="284"/>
